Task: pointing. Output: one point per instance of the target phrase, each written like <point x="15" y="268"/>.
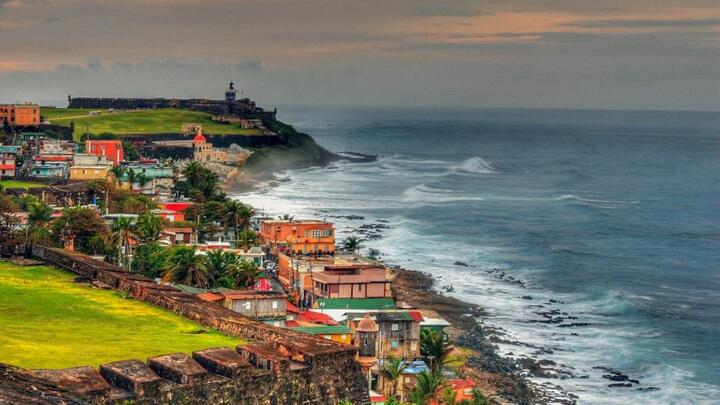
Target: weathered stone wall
<point x="320" y="372"/>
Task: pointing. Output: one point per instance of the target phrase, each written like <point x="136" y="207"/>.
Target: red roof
<point x="416" y="316"/>
<point x="199" y="137"/>
<point x="7" y="167"/>
<point x="208" y="296"/>
<point x="317" y="317"/>
<point x="459" y="383"/>
<point x="176" y="206"/>
<point x="263" y="284"/>
<point x="310" y="316"/>
<point x="53" y="158"/>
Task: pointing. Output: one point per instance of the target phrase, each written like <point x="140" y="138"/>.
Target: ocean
<point x="592" y="238"/>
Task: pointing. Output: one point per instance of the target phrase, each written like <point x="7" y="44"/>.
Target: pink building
<point x="351" y="281"/>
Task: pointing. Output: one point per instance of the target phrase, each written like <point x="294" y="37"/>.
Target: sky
<point x="610" y="54"/>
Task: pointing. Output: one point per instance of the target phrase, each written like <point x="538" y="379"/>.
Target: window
<point x="395" y="327"/>
<point x="274" y="305"/>
<point x="328" y="337"/>
<point x="359" y="287"/>
<point x="394" y="344"/>
<point x="413" y="345"/>
<point x="247" y="305"/>
<point x="343" y="337"/>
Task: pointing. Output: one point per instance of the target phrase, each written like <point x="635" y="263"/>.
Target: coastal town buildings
<point x="351" y="281"/>
<point x="8" y="157"/>
<point x="204" y="151"/>
<point x="266" y="306"/>
<point x="399" y="332"/>
<point x="112" y="150"/>
<point x="298" y="237"/>
<point x="20" y="114"/>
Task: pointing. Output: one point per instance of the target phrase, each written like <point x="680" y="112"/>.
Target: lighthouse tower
<point x="230" y="93"/>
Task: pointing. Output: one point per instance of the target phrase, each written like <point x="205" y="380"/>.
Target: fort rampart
<point x="279" y="366"/>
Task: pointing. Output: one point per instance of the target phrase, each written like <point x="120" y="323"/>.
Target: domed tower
<point x="203" y="150"/>
<point x="365" y="338"/>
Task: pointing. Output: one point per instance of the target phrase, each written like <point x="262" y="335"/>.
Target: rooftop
<point x="324" y="329"/>
<point x="355" y="303"/>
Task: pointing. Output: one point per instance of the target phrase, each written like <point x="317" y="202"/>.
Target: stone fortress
<point x="231" y="106"/>
<point x="279" y="366"/>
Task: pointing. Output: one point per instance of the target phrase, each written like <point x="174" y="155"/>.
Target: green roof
<point x="355" y="303"/>
<point x="323" y="330"/>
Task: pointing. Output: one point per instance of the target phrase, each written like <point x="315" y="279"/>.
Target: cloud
<point x="632" y="23"/>
<point x="250" y="66"/>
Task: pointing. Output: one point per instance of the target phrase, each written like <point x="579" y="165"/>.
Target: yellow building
<point x="89" y="172"/>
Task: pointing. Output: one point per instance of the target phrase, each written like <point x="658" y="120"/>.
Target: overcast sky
<point x="642" y="54"/>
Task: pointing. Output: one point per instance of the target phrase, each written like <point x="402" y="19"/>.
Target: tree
<point x="122" y="230"/>
<point x="150" y="259"/>
<point x="247" y="239"/>
<point x="434" y="345"/>
<point x="200" y="183"/>
<point x="246" y="272"/>
<point x="130" y="151"/>
<point x="427" y="384"/>
<point x="448" y="396"/>
<point x="148" y="227"/>
<point x="83" y="223"/>
<point x="141" y="179"/>
<point x="131" y="177"/>
<point x="238" y="215"/>
<point x="185" y="267"/>
<point x="221" y="266"/>
<point x="352" y="244"/>
<point x="39" y="214"/>
<point x="392" y="370"/>
<point x="118" y="172"/>
<point x="478" y="399"/>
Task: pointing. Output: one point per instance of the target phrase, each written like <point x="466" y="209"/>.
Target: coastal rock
<point x="459" y="263"/>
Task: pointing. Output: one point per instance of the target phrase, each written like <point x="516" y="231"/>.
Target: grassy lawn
<point x="47" y="321"/>
<point x="139" y="122"/>
<point x="19" y="184"/>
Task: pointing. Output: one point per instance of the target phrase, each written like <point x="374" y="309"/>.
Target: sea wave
<point x="474" y="165"/>
<point x="428" y="194"/>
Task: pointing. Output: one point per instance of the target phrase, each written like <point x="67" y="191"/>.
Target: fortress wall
<point x="325" y="371"/>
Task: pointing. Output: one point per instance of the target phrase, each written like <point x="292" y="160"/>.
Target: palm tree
<point x="448" y="396"/>
<point x="231" y="216"/>
<point x="246" y="239"/>
<point x="131" y="177"/>
<point x="39" y="213"/>
<point x="427" y="384"/>
<point x="246" y="272"/>
<point x="148" y="227"/>
<point x="121" y="232"/>
<point x="352" y="244"/>
<point x="478" y="399"/>
<point x="221" y="267"/>
<point x="434" y="345"/>
<point x="185" y="267"/>
<point x="392" y="370"/>
<point x="142" y="180"/>
<point x="118" y="172"/>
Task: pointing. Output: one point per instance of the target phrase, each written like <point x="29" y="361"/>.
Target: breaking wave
<point x="474" y="165"/>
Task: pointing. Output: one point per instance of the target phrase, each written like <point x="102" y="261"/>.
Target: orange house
<point x="112" y="150"/>
<point x="20" y="114"/>
<point x="298" y="237"/>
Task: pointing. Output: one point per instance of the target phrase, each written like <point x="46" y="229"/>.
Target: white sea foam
<point x="474" y="165"/>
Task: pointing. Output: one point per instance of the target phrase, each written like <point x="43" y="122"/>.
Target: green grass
<point x="139" y="122"/>
<point x="19" y="184"/>
<point x="47" y="321"/>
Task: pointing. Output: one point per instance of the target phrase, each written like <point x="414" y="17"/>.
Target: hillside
<point x="138" y="121"/>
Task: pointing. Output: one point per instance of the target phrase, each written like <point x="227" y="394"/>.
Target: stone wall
<point x="318" y="371"/>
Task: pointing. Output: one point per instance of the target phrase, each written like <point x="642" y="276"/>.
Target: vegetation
<point x="392" y="371"/>
<point x="82" y="224"/>
<point x="50" y="322"/>
<point x="200" y="183"/>
<point x="6" y="184"/>
<point x="186" y="267"/>
<point x="435" y="348"/>
<point x="352" y="244"/>
<point x="138" y="122"/>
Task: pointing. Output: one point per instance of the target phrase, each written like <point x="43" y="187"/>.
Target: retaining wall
<point x="318" y="371"/>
